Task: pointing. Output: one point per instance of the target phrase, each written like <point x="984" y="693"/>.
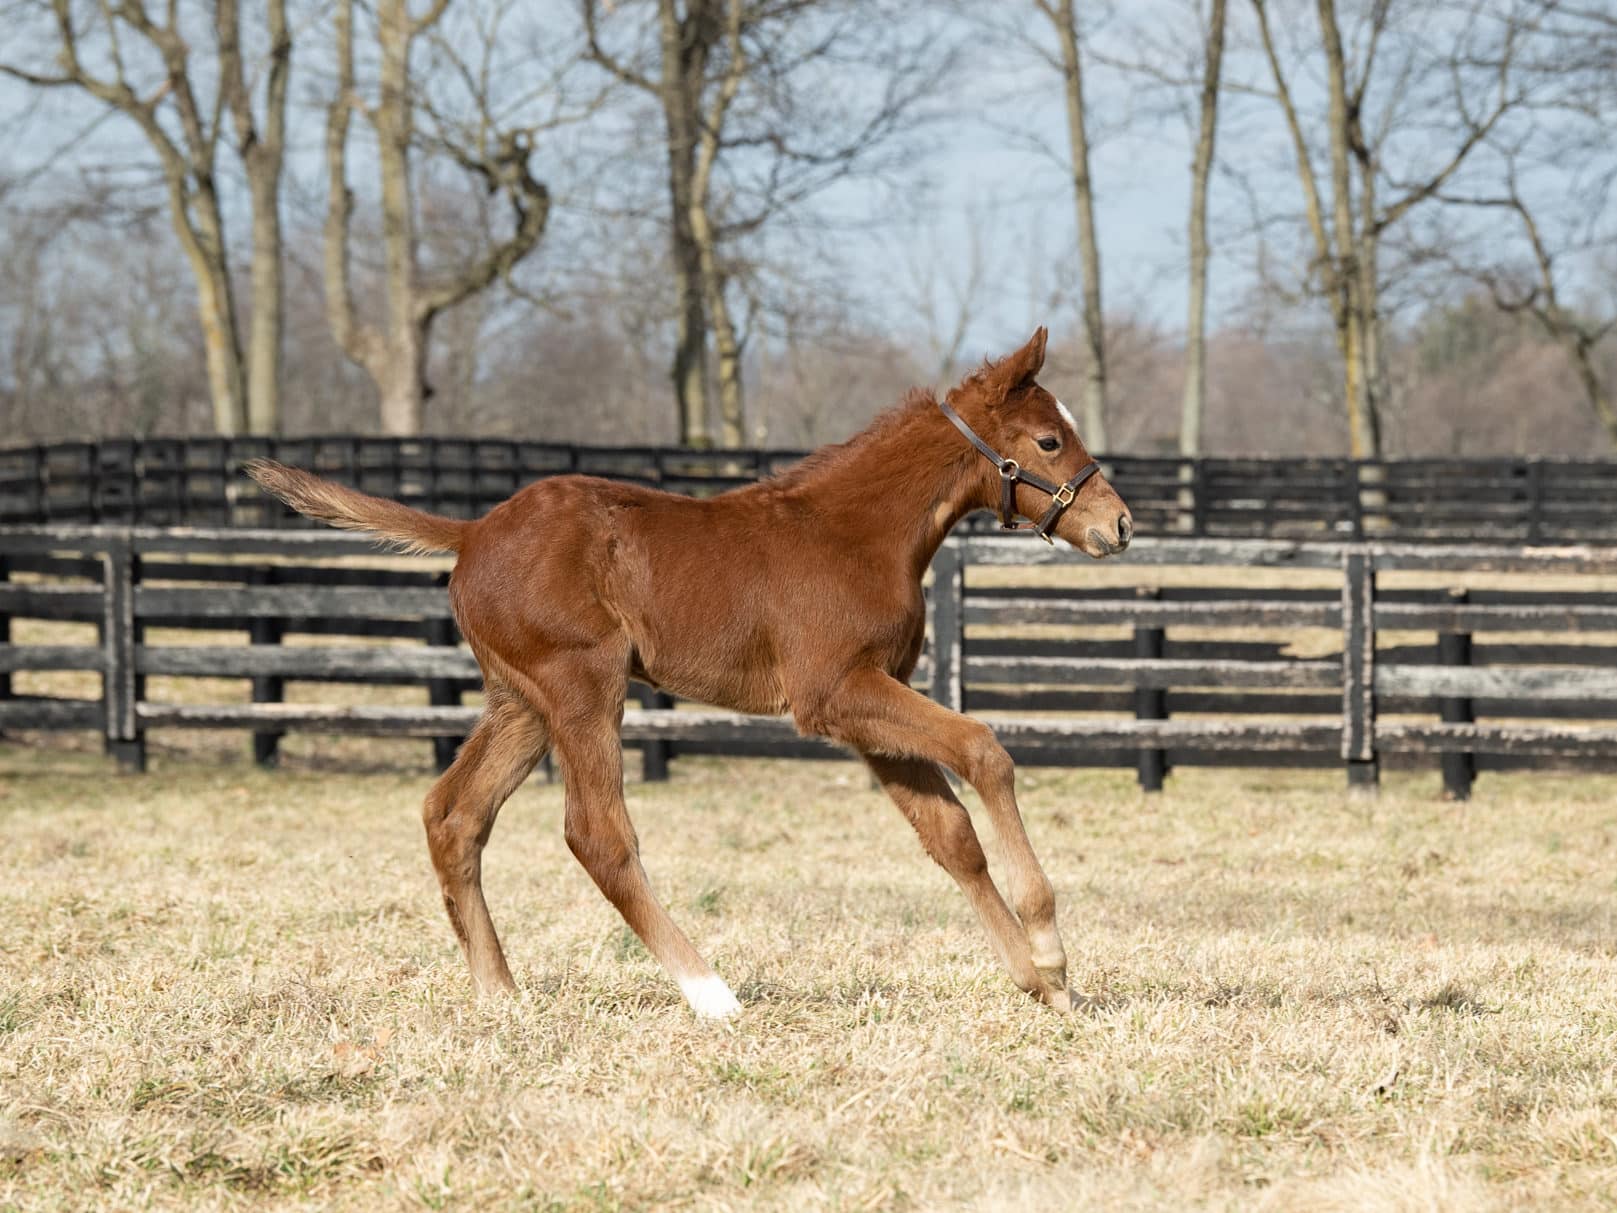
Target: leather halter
<point x="1061" y="496"/>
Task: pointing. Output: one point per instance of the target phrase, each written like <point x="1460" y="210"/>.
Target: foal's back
<point x="719" y="599"/>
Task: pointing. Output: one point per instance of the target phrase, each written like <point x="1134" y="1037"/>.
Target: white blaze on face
<point x="1066" y="415"/>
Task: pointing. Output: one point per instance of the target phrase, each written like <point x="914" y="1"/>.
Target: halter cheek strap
<point x="1010" y="472"/>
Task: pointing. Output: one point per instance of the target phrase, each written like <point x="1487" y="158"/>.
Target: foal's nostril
<point x="1125" y="529"/>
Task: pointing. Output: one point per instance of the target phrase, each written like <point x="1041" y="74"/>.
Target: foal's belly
<point x="730" y="686"/>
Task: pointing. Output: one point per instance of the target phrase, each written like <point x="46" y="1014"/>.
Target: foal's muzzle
<point x="1104" y="544"/>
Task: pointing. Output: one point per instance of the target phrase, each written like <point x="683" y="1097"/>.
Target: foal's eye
<point x="1049" y="444"/>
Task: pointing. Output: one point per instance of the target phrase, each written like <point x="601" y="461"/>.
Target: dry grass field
<point x="226" y="988"/>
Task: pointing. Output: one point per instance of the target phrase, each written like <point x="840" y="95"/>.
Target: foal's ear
<point x="1024" y="366"/>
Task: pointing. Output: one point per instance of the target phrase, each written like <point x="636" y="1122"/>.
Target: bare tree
<point x="679" y="82"/>
<point x="945" y="287"/>
<point x="394" y="352"/>
<point x="1553" y="183"/>
<point x="1465" y="84"/>
<point x="262" y="150"/>
<point x="1194" y="402"/>
<point x="79" y="360"/>
<point x="142" y="67"/>
<point x="1541" y="291"/>
<point x="1063" y="18"/>
<point x="753" y="131"/>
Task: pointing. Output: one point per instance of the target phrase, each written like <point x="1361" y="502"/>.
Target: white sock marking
<point x="709" y="997"/>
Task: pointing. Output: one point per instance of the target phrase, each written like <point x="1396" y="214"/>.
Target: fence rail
<point x="1185" y="651"/>
<point x="199" y="482"/>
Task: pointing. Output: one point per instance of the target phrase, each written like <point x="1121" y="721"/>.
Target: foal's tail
<point x="409" y="530"/>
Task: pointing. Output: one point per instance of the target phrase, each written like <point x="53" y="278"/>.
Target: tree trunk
<point x="684" y="63"/>
<point x="690" y="351"/>
<point x="261" y="153"/>
<point x="404" y="391"/>
<point x="264" y="339"/>
<point x="362" y="343"/>
<point x="220" y="348"/>
<point x="216" y="307"/>
<point x="1357" y="300"/>
<point x="1194" y="405"/>
<point x="715" y="281"/>
<point x="1371" y="324"/>
<point x="1094" y="403"/>
<point x="1368" y="262"/>
<point x="732" y="418"/>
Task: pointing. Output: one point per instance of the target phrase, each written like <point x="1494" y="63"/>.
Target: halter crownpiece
<point x="1061" y="496"/>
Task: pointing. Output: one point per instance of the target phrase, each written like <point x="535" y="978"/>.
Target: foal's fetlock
<point x="1049" y="957"/>
<point x="494" y="986"/>
<point x="1054" y="978"/>
<point x="1050" y="962"/>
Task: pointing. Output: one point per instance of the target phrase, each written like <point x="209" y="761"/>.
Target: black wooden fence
<point x="198" y="482"/>
<point x="1182" y="652"/>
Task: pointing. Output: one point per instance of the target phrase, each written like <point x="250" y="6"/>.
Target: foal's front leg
<point x="929" y="804"/>
<point x="877" y="714"/>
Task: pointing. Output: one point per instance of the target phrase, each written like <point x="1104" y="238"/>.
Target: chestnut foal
<point x="799" y="594"/>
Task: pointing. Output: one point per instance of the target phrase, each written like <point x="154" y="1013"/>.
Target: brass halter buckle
<point x="1064" y="495"/>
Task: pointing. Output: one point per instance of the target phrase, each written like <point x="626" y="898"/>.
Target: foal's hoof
<point x="1054" y="992"/>
<point x="1057" y="1000"/>
<point x="709" y="997"/>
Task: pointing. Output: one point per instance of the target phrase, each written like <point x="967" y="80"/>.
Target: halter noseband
<point x="1061" y="496"/>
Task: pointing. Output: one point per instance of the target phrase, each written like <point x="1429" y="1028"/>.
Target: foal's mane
<point x="885" y="425"/>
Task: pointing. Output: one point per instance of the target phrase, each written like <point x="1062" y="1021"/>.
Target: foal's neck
<point x="905" y="482"/>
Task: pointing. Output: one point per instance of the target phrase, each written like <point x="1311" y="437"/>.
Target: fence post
<point x="266" y="688"/>
<point x="1198" y="488"/>
<point x="1355" y="499"/>
<point x="1150" y="703"/>
<point x="1358" y="670"/>
<point x="5" y="633"/>
<point x="653" y="754"/>
<point x="443" y="692"/>
<point x="1454" y="649"/>
<point x="1184" y="517"/>
<point x="37" y="494"/>
<point x="120" y="634"/>
<point x="1535" y="500"/>
<point x="948" y="627"/>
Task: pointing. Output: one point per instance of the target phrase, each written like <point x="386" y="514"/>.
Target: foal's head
<point x="1022" y="421"/>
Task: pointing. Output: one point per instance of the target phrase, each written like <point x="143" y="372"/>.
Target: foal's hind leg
<point x="602" y="838"/>
<point x="923" y="795"/>
<point x="459" y="815"/>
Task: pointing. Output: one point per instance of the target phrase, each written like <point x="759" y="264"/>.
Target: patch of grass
<point x="1458" y="997"/>
<point x="226" y="987"/>
<point x="708" y="901"/>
